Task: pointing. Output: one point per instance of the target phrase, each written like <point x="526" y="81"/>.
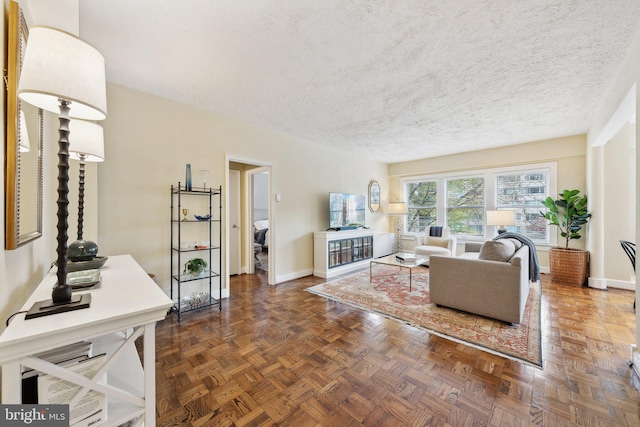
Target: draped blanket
<point x="534" y="265"/>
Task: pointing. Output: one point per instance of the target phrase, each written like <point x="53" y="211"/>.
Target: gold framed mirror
<point x="374" y="196"/>
<point x="23" y="146"/>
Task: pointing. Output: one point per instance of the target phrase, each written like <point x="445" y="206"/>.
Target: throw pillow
<point x="442" y="242"/>
<point x="518" y="244"/>
<point x="497" y="250"/>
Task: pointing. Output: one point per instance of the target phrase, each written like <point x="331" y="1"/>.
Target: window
<point x="422" y="204"/>
<point x="460" y="200"/>
<point x="465" y="206"/>
<point x="524" y="192"/>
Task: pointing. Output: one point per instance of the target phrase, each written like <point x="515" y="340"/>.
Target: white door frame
<point x="249" y="182"/>
<point x="239" y="252"/>
<point x="264" y="166"/>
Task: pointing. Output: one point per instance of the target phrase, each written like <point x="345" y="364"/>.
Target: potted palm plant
<point x="569" y="213"/>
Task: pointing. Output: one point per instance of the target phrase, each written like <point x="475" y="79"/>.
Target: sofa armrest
<point x="473" y="246"/>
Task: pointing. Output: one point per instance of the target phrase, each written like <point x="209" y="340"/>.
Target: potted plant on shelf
<point x="195" y="267"/>
<point x="569" y="213"/>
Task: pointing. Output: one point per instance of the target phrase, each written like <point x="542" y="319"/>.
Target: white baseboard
<point x="597" y="283"/>
<point x="621" y="284"/>
<point x="603" y="283"/>
<point x="295" y="275"/>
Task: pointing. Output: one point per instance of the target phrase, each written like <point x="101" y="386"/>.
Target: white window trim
<point x="490" y="178"/>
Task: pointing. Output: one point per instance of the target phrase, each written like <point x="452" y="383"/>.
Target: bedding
<point x="260" y="229"/>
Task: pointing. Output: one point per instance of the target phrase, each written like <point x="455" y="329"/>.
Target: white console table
<point x="126" y="305"/>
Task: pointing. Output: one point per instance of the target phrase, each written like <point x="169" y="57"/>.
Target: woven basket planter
<point x="569" y="266"/>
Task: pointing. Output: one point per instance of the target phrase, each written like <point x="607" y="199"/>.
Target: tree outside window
<point x="460" y="202"/>
<point x="465" y="206"/>
<point x="422" y="205"/>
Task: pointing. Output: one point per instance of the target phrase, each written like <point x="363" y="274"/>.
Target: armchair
<point x="431" y="244"/>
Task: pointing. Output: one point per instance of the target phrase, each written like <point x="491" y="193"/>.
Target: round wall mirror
<point x="374" y="196"/>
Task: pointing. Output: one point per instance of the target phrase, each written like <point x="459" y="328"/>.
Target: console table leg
<point x="11" y="375"/>
<point x="150" y="374"/>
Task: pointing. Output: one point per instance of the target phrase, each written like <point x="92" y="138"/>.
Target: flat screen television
<point x="346" y="210"/>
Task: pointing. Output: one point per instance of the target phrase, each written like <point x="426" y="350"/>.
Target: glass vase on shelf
<point x="187" y="184"/>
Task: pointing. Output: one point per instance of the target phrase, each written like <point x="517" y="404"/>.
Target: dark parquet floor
<point x="277" y="355"/>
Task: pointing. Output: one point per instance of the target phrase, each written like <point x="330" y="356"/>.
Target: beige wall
<point x="568" y="152"/>
<point x="618" y="106"/>
<point x="23" y="268"/>
<point x="148" y="142"/>
<point x="619" y="202"/>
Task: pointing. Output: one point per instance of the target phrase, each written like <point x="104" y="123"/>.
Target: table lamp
<point x="398" y="210"/>
<point x="86" y="144"/>
<point x="64" y="75"/>
<point x="501" y="218"/>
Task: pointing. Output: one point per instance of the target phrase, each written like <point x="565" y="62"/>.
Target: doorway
<point x="254" y="193"/>
<point x="259" y="212"/>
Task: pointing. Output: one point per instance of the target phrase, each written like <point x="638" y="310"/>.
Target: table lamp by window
<point x="398" y="210"/>
<point x="501" y="218"/>
<point x="86" y="144"/>
<point x="65" y="75"/>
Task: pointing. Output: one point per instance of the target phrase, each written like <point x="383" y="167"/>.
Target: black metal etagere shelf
<point x="212" y="250"/>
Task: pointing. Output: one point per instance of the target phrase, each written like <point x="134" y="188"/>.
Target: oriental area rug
<point x="387" y="294"/>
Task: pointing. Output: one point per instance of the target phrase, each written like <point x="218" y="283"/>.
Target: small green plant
<point x="569" y="213"/>
<point x="195" y="266"/>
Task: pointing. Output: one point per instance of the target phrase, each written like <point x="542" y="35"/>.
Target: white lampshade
<point x="397" y="208"/>
<point x="58" y="65"/>
<point x="501" y="218"/>
<point x="86" y="138"/>
<point x="24" y="144"/>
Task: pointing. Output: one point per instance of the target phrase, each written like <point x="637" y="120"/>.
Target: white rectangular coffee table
<point x="392" y="260"/>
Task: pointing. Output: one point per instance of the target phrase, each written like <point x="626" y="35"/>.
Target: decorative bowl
<point x="203" y="217"/>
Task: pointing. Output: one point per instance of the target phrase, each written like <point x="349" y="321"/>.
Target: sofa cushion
<point x="497" y="250"/>
<point x="442" y="242"/>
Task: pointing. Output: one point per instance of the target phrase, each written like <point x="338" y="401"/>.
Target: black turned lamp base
<point x="48" y="307"/>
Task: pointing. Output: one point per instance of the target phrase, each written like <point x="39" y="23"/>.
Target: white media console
<point x="340" y="252"/>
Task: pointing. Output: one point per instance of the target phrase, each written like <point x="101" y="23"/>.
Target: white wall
<point x="618" y="202"/>
<point x="148" y="141"/>
<point x="616" y="109"/>
<point x="607" y="121"/>
<point x="23" y="268"/>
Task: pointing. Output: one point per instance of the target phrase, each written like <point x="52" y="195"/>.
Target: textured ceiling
<point x="394" y="80"/>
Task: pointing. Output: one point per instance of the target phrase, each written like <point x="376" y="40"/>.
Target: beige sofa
<point x="495" y="289"/>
